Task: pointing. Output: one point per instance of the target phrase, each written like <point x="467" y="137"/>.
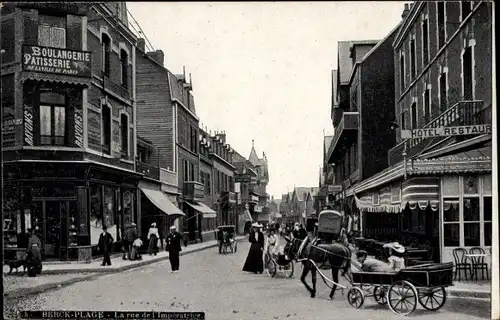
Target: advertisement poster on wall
<point x="28" y="125"/>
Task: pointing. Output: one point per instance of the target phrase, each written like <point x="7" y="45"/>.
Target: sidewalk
<point x="56" y="275"/>
<point x="460" y="289"/>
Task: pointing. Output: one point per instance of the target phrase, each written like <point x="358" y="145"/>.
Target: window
<point x="466" y="7"/>
<point x="414" y="120"/>
<point x="403" y="121"/>
<point x="124" y="67"/>
<point x="441" y="24"/>
<point x="209" y="184"/>
<point x="186" y="171"/>
<point x="427" y="104"/>
<point x="402" y="72"/>
<point x="124" y="134"/>
<point x="425" y="41"/>
<point x="105" y="54"/>
<point x="443" y="92"/>
<point x="106" y="128"/>
<point x="451" y="222"/>
<point x="192" y="176"/>
<point x="52" y="31"/>
<point x="468" y="74"/>
<point x="487" y="210"/>
<point x="52" y="117"/>
<point x="413" y="58"/>
<point x="471" y="222"/>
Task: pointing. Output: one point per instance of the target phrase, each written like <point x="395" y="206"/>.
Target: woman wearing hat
<point x="254" y="261"/>
<point x="153" y="237"/>
<point x="396" y="260"/>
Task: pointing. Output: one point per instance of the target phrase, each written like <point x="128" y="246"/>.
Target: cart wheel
<point x="271" y="268"/>
<point x="288" y="270"/>
<point x="402" y="297"/>
<point x="380" y="295"/>
<point x="433" y="298"/>
<point x="355" y="297"/>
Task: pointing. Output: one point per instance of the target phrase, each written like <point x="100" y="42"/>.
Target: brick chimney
<point x="405" y="11"/>
<point x="141" y="44"/>
<point x="157" y="56"/>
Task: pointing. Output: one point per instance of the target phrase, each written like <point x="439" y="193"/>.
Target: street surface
<point x="215" y="284"/>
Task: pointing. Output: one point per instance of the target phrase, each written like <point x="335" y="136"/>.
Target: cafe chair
<point x="461" y="263"/>
<point x="478" y="263"/>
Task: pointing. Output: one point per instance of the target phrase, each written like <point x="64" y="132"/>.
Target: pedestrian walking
<point x="34" y="254"/>
<point x="104" y="245"/>
<point x="136" y="247"/>
<point x="255" y="261"/>
<point x="173" y="246"/>
<point x="153" y="237"/>
<point x="128" y="240"/>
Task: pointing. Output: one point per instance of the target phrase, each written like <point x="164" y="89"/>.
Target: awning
<point x="56" y="78"/>
<point x="202" y="208"/>
<point x="421" y="191"/>
<point x="366" y="203"/>
<point x="159" y="199"/>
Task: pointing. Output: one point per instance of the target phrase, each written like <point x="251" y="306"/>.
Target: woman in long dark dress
<point x="254" y="262"/>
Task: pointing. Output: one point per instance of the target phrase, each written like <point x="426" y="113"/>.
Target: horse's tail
<point x="347" y="266"/>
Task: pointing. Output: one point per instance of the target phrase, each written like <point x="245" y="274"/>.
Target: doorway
<point x="55" y="223"/>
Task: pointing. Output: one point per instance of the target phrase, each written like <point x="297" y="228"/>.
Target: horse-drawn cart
<point x="401" y="290"/>
<point x="225" y="235"/>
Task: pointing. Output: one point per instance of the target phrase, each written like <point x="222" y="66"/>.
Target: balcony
<point x="345" y="132"/>
<point x="193" y="191"/>
<point x="462" y="113"/>
<point x="149" y="170"/>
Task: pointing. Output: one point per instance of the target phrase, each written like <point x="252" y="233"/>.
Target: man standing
<point x="104" y="245"/>
<point x="173" y="246"/>
<point x="128" y="239"/>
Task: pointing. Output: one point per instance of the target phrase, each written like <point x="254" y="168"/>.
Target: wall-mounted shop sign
<point x="28" y="125"/>
<point x="78" y="127"/>
<point x="446" y="131"/>
<point x="61" y="7"/>
<point x="56" y="60"/>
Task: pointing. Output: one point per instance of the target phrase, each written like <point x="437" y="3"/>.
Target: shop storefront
<point x="66" y="203"/>
<point x="156" y="207"/>
<point x="200" y="216"/>
<point x="466" y="213"/>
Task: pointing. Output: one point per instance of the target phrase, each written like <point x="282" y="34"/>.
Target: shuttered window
<point x="52" y="31"/>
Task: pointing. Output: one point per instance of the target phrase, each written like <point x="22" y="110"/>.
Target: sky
<point x="262" y="71"/>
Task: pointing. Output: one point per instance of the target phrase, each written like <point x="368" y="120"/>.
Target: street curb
<point x="451" y="292"/>
<point x="131" y="266"/>
<point x="24" y="292"/>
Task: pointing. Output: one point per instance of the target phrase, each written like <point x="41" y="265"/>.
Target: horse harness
<point x="326" y="254"/>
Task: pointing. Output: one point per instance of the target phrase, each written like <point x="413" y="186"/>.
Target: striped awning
<point x="366" y="202"/>
<point x="421" y="192"/>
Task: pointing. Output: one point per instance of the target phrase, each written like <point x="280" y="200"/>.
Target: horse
<point x="335" y="256"/>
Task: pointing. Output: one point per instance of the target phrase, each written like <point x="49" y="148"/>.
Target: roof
<point x="475" y="154"/>
<point x="253" y="158"/>
<point x="300" y="191"/>
<point x="179" y="92"/>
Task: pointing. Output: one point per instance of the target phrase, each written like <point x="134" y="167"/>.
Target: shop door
<point x="56" y="215"/>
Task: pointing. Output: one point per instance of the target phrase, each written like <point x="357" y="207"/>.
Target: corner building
<point x="69" y="151"/>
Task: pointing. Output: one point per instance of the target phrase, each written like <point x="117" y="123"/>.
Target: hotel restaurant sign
<point x="57" y="61"/>
<point x="446" y="131"/>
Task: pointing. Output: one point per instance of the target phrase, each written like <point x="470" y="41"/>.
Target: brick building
<point x="439" y="178"/>
<point x="68" y="97"/>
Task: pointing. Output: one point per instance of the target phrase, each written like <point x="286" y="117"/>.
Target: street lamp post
<point x="394" y="126"/>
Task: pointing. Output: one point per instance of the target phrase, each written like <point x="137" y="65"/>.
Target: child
<point x="136" y="245"/>
<point x="396" y="260"/>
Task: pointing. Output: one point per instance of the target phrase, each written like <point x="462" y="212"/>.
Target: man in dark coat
<point x="173" y="246"/>
<point x="105" y="243"/>
<point x="34" y="254"/>
<point x="129" y="238"/>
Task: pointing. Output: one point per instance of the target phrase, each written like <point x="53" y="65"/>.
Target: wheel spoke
<point x="437" y="301"/>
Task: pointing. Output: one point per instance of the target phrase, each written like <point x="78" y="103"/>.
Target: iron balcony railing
<point x="460" y="114"/>
<point x="349" y="121"/>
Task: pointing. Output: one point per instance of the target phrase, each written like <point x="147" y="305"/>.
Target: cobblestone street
<point x="215" y="284"/>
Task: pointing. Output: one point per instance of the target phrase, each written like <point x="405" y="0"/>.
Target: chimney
<point x="141" y="44"/>
<point x="157" y="56"/>
<point x="405" y="11"/>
